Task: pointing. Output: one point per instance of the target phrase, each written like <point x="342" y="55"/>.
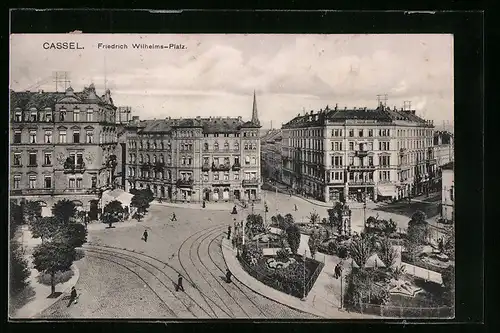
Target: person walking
<point x="179" y="285"/>
<point x="73" y="296"/>
<point x="337" y="271"/>
<point x="174" y="218"/>
<point x="145" y="236"/>
<point x="295" y="207"/>
<point x="228" y="275"/>
<point x="229" y="232"/>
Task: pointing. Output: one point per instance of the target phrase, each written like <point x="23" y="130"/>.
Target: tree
<point x="335" y="216"/>
<point x="448" y="277"/>
<point x="449" y="244"/>
<point x="52" y="257"/>
<point x="293" y="237"/>
<point x="314" y="242"/>
<point x="73" y="234"/>
<point x="387" y="253"/>
<point x="64" y="210"/>
<point x="141" y="200"/>
<point x="360" y="250"/>
<point x="254" y="224"/>
<point x="289" y="220"/>
<point x="44" y="227"/>
<point x="18" y="269"/>
<point x="314" y="217"/>
<point x="16" y="218"/>
<point x="113" y="212"/>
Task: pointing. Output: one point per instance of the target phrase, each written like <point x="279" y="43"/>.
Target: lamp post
<point x="304" y="279"/>
<point x="341" y="291"/>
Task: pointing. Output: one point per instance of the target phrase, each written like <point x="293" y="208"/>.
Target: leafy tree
<point x="449" y="244"/>
<point x="73" y="234"/>
<point x="18" y="269"/>
<point x="360" y="250"/>
<point x="314" y="217"/>
<point x="342" y="251"/>
<point x="52" y="257"/>
<point x="16" y="218"/>
<point x="281" y="221"/>
<point x="44" y="227"/>
<point x="293" y="237"/>
<point x="387" y="253"/>
<point x="335" y="216"/>
<point x="31" y="210"/>
<point x="418" y="217"/>
<point x="289" y="220"/>
<point x="141" y="200"/>
<point x="113" y="212"/>
<point x="64" y="210"/>
<point x="254" y="224"/>
<point x="314" y="242"/>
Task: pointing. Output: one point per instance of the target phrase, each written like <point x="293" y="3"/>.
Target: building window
<point x="226" y="175"/>
<point x="89" y="136"/>
<point x="76" y="136"/>
<point x="351" y="133"/>
<point x="205" y="146"/>
<point x="32" y="159"/>
<point x="351" y="145"/>
<point x="385" y="161"/>
<point x="236" y="176"/>
<point x="18" y="116"/>
<point x="48" y="117"/>
<point x="32" y="181"/>
<point x="17" y="136"/>
<point x="236" y="146"/>
<point x="72" y="183"/>
<point x="383" y="145"/>
<point x="205" y="176"/>
<point x="226" y="145"/>
<point x="17" y="159"/>
<point x="247" y="160"/>
<point x="33" y="116"/>
<point x="62" y="115"/>
<point x="62" y="136"/>
<point x="78" y="183"/>
<point x="370" y="132"/>
<point x="451" y="194"/>
<point x="254" y="161"/>
<point x="216" y="146"/>
<point x="337" y="161"/>
<point x="385" y="175"/>
<point x="32" y="136"/>
<point x="76" y="115"/>
<point x="351" y="160"/>
<point x="337" y="132"/>
<point x="48" y="181"/>
<point x="154" y="158"/>
<point x="90" y="115"/>
<point x="216" y="175"/>
<point x="370" y="160"/>
<point x="48" y="136"/>
<point x="17" y="182"/>
<point x="360" y="133"/>
<point x="47" y="159"/>
<point x="337" y="146"/>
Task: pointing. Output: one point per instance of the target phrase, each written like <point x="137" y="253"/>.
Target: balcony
<point x="74" y="168"/>
<point x="250" y="182"/>
<point x="32" y="191"/>
<point x="431" y="161"/>
<point x="369" y="167"/>
<point x="221" y="167"/>
<point x="205" y="167"/>
<point x="361" y="153"/>
<point x="361" y="182"/>
<point x="184" y="182"/>
<point x="236" y="166"/>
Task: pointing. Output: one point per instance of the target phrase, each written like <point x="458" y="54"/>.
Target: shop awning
<point x="117" y="194"/>
<point x="386" y="190"/>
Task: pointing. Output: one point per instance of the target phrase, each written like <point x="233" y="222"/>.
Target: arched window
<point x="205" y="146"/>
<point x="148" y="158"/>
<point x="216" y="146"/>
<point x="154" y="145"/>
<point x="162" y="159"/>
<point x="226" y="145"/>
<point x="236" y="145"/>
<point x="141" y="158"/>
<point x="148" y="146"/>
<point x="154" y="158"/>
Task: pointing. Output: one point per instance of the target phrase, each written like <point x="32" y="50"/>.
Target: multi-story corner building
<point x="195" y="159"/>
<point x="357" y="154"/>
<point x="62" y="146"/>
<point x="271" y="159"/>
<point x="448" y="192"/>
<point x="443" y="147"/>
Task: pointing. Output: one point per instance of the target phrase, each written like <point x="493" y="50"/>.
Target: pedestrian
<point x="174" y="218"/>
<point x="228" y="232"/>
<point x="295" y="207"/>
<point x="233" y="242"/>
<point x="179" y="285"/>
<point x="73" y="296"/>
<point x="336" y="271"/>
<point x="145" y="235"/>
<point x="228" y="275"/>
<point x="234" y="211"/>
<point x="440" y="245"/>
<point x="203" y="205"/>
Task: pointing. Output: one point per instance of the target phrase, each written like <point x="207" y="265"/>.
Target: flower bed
<point x="289" y="278"/>
<point x="405" y="257"/>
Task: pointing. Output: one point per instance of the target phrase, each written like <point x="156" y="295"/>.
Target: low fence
<point x="407" y="312"/>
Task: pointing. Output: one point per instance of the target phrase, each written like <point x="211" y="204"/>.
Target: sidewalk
<point x="40" y="301"/>
<point x="316" y="302"/>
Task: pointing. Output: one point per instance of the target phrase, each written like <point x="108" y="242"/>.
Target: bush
<point x="282" y="255"/>
<point x="59" y="277"/>
<point x="18" y="272"/>
<point x="342" y="251"/>
<point x="293" y="237"/>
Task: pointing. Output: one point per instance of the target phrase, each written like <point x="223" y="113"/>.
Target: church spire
<point x="255" y="116"/>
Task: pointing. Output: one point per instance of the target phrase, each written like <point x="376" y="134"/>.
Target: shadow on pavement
<point x="21" y="299"/>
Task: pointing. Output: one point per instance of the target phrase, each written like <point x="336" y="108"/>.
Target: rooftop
<point x="448" y="166"/>
<point x="208" y="125"/>
<point x="380" y="114"/>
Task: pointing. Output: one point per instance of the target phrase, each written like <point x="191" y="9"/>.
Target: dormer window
<point x="90" y="115"/>
<point x="76" y="115"/>
<point x="62" y="115"/>
<point x="33" y="116"/>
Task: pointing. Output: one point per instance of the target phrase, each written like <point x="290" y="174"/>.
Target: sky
<point x="215" y="75"/>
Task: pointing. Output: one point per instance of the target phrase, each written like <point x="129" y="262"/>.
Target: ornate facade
<point x="62" y="146"/>
<point x="358" y="154"/>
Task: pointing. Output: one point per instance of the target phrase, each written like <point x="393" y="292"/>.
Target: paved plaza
<point x="122" y="276"/>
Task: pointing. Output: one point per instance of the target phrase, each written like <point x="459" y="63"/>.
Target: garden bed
<point x="289" y="280"/>
<point x="406" y="258"/>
